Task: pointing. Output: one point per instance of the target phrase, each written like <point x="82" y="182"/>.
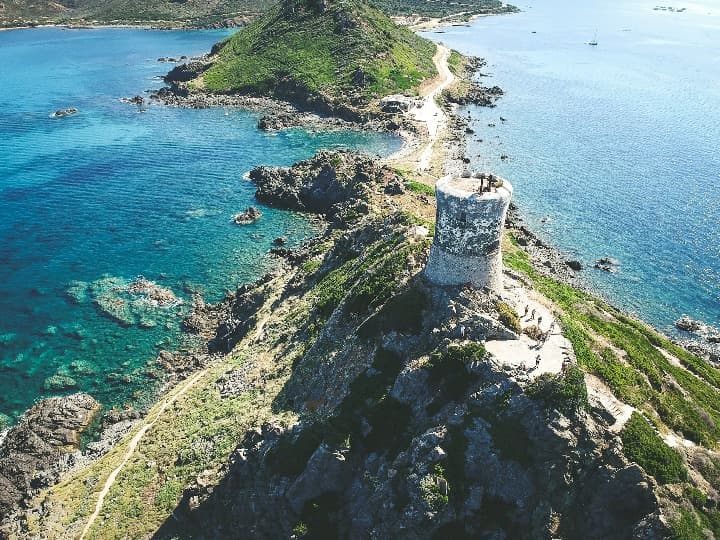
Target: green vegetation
<point x="367" y="281"/>
<point x="508" y="316"/>
<point x="419" y="187"/>
<point x="456" y="62"/>
<point x="565" y="392"/>
<point x="349" y="50"/>
<point x="687" y="527"/>
<point x="380" y="281"/>
<point x="645" y="447"/>
<point x="635" y="366"/>
<point x="402" y="313"/>
<point x="199" y="12"/>
<point x="432" y="492"/>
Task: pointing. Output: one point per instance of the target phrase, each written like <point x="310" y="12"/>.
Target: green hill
<point x="198" y="12"/>
<point x="340" y="50"/>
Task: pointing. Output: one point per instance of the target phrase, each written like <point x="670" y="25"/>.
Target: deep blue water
<point x="115" y="192"/>
<point x="617" y="144"/>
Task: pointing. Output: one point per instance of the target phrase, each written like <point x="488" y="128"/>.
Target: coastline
<point x="447" y="158"/>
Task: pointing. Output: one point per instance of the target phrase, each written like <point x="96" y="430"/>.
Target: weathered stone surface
<point x="468" y="232"/>
<point x="334" y="183"/>
<point x="327" y="471"/>
<point x="31" y="456"/>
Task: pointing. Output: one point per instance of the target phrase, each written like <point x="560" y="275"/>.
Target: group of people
<point x="543" y="335"/>
<point x="489" y="178"/>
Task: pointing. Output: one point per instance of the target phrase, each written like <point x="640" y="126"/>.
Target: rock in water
<point x="575" y="265"/>
<point x="64" y="112"/>
<point x="33" y="451"/>
<point x="247" y="217"/>
<point x="607" y="264"/>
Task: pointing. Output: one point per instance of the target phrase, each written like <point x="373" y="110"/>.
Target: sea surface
<point x="614" y="149"/>
<point x="92" y="201"/>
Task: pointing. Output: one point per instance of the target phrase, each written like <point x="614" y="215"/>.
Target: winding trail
<point x="430" y="112"/>
<point x="177" y="392"/>
<point x="180" y="390"/>
<point x="434" y="118"/>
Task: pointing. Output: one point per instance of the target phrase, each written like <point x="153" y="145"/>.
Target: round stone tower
<point x="468" y="231"/>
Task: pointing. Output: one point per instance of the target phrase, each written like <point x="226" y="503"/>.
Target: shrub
<point x="419" y="187"/>
<point x="645" y="447"/>
<point x="565" y="392"/>
<point x="687" y="527"/>
<point x="508" y="316"/>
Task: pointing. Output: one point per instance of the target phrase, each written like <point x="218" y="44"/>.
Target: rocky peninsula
<point x="346" y="395"/>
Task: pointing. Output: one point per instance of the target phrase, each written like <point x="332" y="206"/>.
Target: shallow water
<point x="616" y="146"/>
<point x="115" y="192"/>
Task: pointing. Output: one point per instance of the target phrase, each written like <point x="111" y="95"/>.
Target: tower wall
<point x="468" y="233"/>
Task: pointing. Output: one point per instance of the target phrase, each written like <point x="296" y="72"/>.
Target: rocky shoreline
<point x="45" y="444"/>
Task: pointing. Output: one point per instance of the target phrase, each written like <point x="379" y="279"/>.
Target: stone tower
<point x="468" y="231"/>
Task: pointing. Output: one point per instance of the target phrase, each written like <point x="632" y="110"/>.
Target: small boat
<point x="594" y="40"/>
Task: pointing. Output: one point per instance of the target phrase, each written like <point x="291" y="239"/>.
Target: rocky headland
<point x="344" y="395"/>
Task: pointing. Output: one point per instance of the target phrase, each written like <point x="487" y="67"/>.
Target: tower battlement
<point x="468" y="231"/>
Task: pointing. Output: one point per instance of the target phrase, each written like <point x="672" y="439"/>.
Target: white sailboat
<point x="594" y="40"/>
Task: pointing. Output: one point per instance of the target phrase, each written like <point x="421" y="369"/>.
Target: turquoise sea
<point x="613" y="150"/>
<point x="92" y="201"/>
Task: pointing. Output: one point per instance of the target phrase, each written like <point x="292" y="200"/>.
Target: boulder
<point x="574" y="265"/>
<point x="327" y="471"/>
<point x="250" y="215"/>
<point x="31" y="456"/>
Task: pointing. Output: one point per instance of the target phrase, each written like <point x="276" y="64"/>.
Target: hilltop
<point x="319" y="54"/>
<point x="173" y="13"/>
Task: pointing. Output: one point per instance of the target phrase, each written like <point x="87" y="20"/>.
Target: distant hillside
<point x="339" y="51"/>
<point x="161" y="12"/>
<point x="197" y="12"/>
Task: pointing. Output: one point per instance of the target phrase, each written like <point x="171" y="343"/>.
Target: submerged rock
<point x="58" y="382"/>
<point x="129" y="303"/>
<point x="607" y="264"/>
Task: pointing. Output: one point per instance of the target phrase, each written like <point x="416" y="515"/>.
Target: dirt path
<point x="177" y="392"/>
<point x="429" y="112"/>
<point x="417" y="150"/>
<point x="535" y="357"/>
<point x="180" y="390"/>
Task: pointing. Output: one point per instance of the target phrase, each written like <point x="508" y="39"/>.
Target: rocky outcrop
<point x="60" y="113"/>
<point x="137" y="100"/>
<point x="250" y="215"/>
<point x="607" y="264"/>
<point x="280" y="120"/>
<point x="32" y="454"/>
<point x="472" y="469"/>
<point x="475" y="94"/>
<point x="187" y="72"/>
<point x="548" y="259"/>
<point x="705" y="340"/>
<point x="336" y="184"/>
